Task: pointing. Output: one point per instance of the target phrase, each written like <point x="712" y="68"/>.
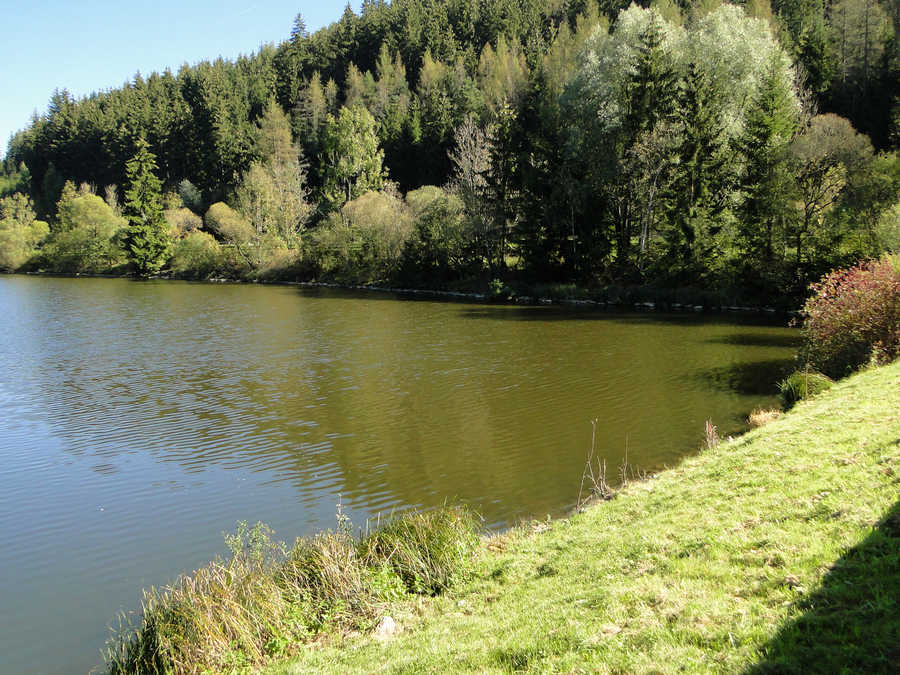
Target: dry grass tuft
<point x="762" y="416"/>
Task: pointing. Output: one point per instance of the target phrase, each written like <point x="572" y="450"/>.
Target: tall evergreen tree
<point x="147" y="240"/>
<point x="702" y="172"/>
<point x="766" y="185"/>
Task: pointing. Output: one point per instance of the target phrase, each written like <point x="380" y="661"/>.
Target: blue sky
<point x="92" y="45"/>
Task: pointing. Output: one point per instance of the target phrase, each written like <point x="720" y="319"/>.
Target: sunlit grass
<point x="266" y="601"/>
<point x="728" y="562"/>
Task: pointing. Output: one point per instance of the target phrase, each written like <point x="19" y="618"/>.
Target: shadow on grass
<point x="852" y="623"/>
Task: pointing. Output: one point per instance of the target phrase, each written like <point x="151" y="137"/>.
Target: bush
<point x="438" y="250"/>
<point x="364" y="242"/>
<point x="429" y="551"/>
<point x="20" y="232"/>
<point x="265" y="600"/>
<point x="196" y="256"/>
<point x="88" y="238"/>
<point x="853" y="317"/>
<point x="182" y="221"/>
<point x="801" y="385"/>
<point x="258" y="252"/>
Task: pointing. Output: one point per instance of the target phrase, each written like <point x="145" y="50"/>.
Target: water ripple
<point x="141" y="420"/>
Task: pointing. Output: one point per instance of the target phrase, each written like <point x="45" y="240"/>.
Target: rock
<point x="386" y="628"/>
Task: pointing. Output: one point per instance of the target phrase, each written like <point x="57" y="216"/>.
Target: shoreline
<point x="710" y="565"/>
<point x="509" y="300"/>
<point x="702" y="567"/>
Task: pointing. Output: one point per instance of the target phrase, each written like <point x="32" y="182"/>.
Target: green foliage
<point x="887" y="230"/>
<point x="429" y="551"/>
<point x="191" y="196"/>
<point x="351" y="159"/>
<point x="439" y="249"/>
<point x="147" y="240"/>
<point x="765" y="184"/>
<point x="801" y="385"/>
<point x="228" y="223"/>
<point x="272" y="192"/>
<point x="364" y="242"/>
<point x="265" y="600"/>
<point x="89" y="239"/>
<point x="853" y="317"/>
<point x="659" y="151"/>
<point x="258" y="253"/>
<point x="502" y="75"/>
<point x="825" y="157"/>
<point x="196" y="256"/>
<point x="14" y="179"/>
<point x="181" y="222"/>
<point x="20" y="232"/>
<point x="663" y="120"/>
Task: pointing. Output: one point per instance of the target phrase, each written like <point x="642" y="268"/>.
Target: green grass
<point x="776" y="552"/>
<point x="266" y="601"/>
<point x="802" y="384"/>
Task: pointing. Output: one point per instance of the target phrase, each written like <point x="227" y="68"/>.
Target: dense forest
<point x="739" y="148"/>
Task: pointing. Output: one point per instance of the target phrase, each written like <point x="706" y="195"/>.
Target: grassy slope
<point x="779" y="551"/>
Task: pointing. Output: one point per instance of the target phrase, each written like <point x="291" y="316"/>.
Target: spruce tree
<point x="147" y="240"/>
<point x="766" y="186"/>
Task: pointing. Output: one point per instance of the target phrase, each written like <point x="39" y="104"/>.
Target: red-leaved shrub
<point x="853" y="317"/>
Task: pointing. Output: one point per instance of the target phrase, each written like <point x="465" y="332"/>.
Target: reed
<point x="266" y="601"/>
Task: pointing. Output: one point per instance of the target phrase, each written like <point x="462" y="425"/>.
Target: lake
<point x="141" y="420"/>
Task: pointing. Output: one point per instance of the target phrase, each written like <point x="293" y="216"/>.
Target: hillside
<point x="776" y="552"/>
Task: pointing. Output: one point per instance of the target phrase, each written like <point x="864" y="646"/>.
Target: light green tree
<point x="364" y="241"/>
<point x="824" y="157"/>
<point x="311" y="112"/>
<point x="272" y="192"/>
<point x="502" y="75"/>
<point x="351" y="159"/>
<point x="147" y="240"/>
<point x="20" y="231"/>
<point x="88" y="239"/>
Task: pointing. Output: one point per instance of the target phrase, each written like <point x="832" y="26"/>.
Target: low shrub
<point x="438" y="251"/>
<point x="364" y="242"/>
<point x="182" y="222"/>
<point x="801" y="385"/>
<point x="429" y="551"/>
<point x="853" y="317"/>
<point x="266" y="600"/>
<point x="196" y="256"/>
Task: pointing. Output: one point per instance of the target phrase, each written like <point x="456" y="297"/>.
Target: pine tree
<point x="147" y="240"/>
<point x="766" y="182"/>
<point x="702" y="174"/>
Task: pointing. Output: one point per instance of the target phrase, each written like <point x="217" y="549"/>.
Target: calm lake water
<point x="138" y="421"/>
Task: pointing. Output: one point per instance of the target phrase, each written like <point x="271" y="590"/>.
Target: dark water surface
<point x="138" y="421"/>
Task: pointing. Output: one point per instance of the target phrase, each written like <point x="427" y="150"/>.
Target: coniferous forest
<point x="743" y="149"/>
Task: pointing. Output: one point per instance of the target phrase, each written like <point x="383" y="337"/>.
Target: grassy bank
<point x="776" y="552"/>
